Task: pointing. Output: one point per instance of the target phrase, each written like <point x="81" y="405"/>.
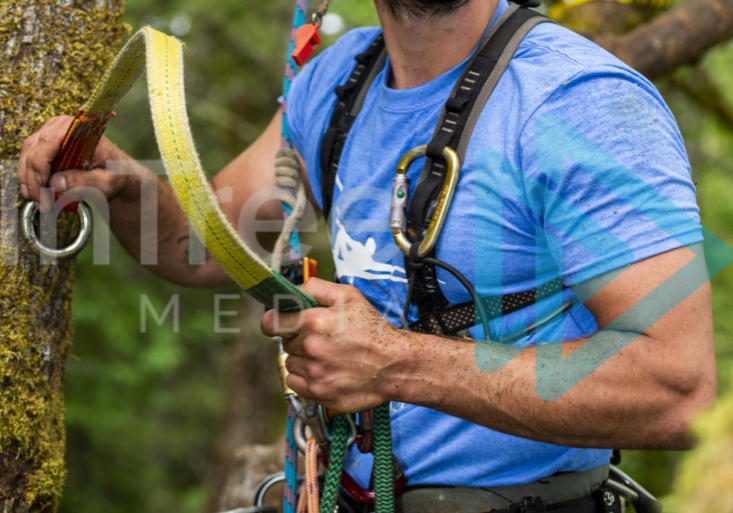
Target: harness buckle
<point x="531" y="505"/>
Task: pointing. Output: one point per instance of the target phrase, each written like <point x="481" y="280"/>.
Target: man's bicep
<point x="663" y="296"/>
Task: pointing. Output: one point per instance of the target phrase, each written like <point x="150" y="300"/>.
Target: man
<point x="575" y="169"/>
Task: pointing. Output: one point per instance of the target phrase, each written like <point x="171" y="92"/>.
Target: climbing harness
<point x="161" y="56"/>
<point x="416" y="224"/>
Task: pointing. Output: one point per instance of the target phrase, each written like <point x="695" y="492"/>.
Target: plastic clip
<point x="306" y="41"/>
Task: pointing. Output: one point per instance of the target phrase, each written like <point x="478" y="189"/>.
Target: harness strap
<point x="350" y="100"/>
<point x="454" y="129"/>
<point x="454" y="320"/>
<point x="161" y="56"/>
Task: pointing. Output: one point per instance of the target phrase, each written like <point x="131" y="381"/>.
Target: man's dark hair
<point x="416" y="9"/>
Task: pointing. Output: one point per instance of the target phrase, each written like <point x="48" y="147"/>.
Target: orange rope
<point x="308" y="499"/>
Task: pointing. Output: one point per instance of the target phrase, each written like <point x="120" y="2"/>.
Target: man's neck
<point x="423" y="49"/>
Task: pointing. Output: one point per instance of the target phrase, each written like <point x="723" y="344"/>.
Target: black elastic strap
<point x="456" y="318"/>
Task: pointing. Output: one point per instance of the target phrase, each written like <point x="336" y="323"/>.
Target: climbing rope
<point x="339" y="438"/>
<point x="288" y="181"/>
<point x="287" y="178"/>
<point x="383" y="461"/>
<point x="308" y="500"/>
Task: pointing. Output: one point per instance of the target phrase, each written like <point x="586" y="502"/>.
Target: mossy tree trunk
<point x="51" y="55"/>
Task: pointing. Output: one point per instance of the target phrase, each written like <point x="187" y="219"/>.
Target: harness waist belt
<point x="570" y="487"/>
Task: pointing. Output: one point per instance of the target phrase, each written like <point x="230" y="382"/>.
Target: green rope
<point x="383" y="466"/>
<point x="339" y="437"/>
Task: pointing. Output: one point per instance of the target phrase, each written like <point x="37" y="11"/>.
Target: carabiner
<point x="325" y="420"/>
<point x="401" y="191"/>
<point x="34" y="242"/>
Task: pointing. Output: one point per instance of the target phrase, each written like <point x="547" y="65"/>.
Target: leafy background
<point x="143" y="410"/>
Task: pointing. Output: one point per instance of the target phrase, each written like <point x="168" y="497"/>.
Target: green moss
<point x="51" y="55"/>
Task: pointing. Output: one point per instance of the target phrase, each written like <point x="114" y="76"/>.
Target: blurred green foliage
<point x="143" y="409"/>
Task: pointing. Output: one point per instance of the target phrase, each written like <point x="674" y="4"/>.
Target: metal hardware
<point x="398" y="210"/>
<point x="609" y="498"/>
<point x="313" y="420"/>
<point x="325" y="423"/>
<point x="265" y="485"/>
<point x="624" y="486"/>
<point x="299" y="436"/>
<point x="27" y="217"/>
<point x="284" y="373"/>
<point x="441" y="209"/>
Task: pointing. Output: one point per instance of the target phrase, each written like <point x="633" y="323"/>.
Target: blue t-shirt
<point x="575" y="168"/>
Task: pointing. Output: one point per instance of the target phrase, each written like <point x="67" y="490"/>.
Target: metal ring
<point x="265" y="485"/>
<point x="34" y="242"/>
<point x="299" y="434"/>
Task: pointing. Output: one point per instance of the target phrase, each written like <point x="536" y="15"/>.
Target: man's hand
<point x="38" y="153"/>
<point x="339" y="353"/>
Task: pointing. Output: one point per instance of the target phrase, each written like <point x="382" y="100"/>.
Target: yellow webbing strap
<point x="162" y="57"/>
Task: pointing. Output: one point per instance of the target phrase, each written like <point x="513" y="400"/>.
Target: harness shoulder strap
<point x="454" y="129"/>
<point x="350" y="100"/>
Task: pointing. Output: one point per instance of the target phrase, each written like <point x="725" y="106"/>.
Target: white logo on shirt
<point x="355" y="260"/>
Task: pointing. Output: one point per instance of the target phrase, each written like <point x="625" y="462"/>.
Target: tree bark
<point x="254" y="405"/>
<point x="51" y="55"/>
<point x="681" y="36"/>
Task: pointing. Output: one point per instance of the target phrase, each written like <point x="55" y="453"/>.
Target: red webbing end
<point x="79" y="144"/>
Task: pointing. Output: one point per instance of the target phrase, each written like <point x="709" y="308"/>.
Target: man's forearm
<point x="633" y="400"/>
<point x="146" y="218"/>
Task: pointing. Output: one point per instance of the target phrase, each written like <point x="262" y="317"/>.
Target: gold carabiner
<point x="401" y="189"/>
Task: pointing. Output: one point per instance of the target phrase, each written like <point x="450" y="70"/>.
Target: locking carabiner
<point x="401" y="191"/>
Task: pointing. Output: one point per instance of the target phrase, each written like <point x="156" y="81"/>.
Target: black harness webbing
<point x="454" y="128"/>
<point x="350" y="99"/>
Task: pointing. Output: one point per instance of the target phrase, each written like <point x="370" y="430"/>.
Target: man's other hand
<point x="339" y="354"/>
<point x="38" y="153"/>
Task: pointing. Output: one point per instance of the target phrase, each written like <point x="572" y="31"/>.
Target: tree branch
<point x="701" y="89"/>
<point x="679" y="37"/>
